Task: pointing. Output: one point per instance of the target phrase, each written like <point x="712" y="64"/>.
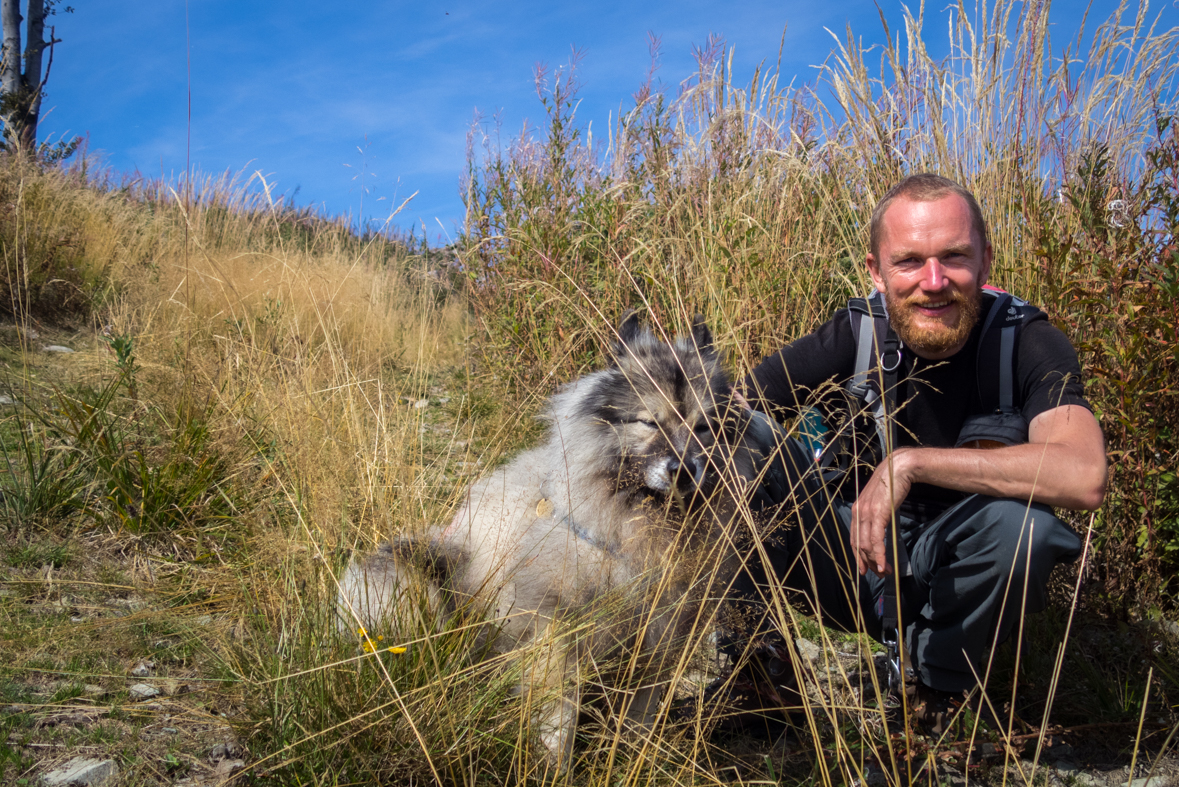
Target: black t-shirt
<point x="933" y="398"/>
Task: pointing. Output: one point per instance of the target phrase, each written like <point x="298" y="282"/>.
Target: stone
<point x="82" y="772"/>
<point x="132" y="603"/>
<point x="1066" y="754"/>
<point x="223" y="751"/>
<point x="227" y="768"/>
<point x="875" y="777"/>
<point x="143" y="668"/>
<point x="94" y="691"/>
<point x="142" y="691"/>
<point x="56" y="348"/>
<point x="6" y="399"/>
<point x="421" y="404"/>
<point x="807" y="650"/>
<point x="1147" y="781"/>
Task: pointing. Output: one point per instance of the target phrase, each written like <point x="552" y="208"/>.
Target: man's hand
<point x="872" y="513"/>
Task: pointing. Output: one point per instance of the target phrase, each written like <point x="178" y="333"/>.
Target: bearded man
<point x="974" y="529"/>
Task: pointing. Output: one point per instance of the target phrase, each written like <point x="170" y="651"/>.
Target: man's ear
<point x="874" y="272"/>
<point x="987" y="258"/>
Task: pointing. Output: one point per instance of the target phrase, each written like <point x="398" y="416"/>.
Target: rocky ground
<point x="141" y="704"/>
<point x="142" y="699"/>
<point x="1094" y="755"/>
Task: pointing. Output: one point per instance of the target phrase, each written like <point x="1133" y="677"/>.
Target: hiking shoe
<point x="934" y="710"/>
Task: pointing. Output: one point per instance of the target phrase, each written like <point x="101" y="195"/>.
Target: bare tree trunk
<point x="20" y="107"/>
<point x="10" y="72"/>
<point x="34" y="47"/>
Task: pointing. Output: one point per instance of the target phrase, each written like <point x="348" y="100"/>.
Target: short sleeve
<point x="1048" y="370"/>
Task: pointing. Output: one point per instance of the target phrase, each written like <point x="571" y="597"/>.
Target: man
<point x="973" y="526"/>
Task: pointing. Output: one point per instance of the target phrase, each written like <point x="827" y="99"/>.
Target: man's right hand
<point x="873" y="510"/>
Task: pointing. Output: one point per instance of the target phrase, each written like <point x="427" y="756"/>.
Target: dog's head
<point x="662" y="406"/>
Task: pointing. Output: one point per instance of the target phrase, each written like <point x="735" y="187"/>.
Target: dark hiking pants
<point x="972" y="572"/>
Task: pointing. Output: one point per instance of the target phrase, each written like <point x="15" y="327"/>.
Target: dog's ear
<point x="700" y="334"/>
<point x="629" y="329"/>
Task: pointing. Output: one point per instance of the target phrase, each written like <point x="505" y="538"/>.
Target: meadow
<point x="256" y="393"/>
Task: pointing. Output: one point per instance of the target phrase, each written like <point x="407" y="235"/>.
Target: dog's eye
<point x="648" y="424"/>
<point x="705" y="427"/>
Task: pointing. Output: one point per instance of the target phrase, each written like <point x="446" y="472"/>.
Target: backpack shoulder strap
<point x="997" y="349"/>
<point x="878" y="356"/>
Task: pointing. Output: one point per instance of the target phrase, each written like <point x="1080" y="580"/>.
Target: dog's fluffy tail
<point x="400" y="587"/>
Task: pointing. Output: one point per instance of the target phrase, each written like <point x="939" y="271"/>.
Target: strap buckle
<point x="896" y="680"/>
<point x="884" y="365"/>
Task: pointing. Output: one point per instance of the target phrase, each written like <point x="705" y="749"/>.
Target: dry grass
<point x="321" y="390"/>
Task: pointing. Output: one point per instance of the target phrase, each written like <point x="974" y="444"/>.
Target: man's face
<point x="931" y="269"/>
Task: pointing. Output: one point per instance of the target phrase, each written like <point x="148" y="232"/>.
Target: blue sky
<point x="366" y="103"/>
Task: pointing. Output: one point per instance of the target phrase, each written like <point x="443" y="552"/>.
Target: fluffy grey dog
<point x="605" y="542"/>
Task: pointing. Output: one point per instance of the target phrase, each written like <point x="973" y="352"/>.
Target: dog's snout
<point x="684" y="472"/>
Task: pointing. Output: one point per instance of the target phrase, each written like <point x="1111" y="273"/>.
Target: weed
<point x="41" y="482"/>
<point x="37" y="555"/>
<point x="12" y="758"/>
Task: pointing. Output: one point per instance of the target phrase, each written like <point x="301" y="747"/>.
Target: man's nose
<point x="933" y="277"/>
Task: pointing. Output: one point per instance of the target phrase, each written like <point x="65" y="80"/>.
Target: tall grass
<point x="749" y="203"/>
<point x="323" y="388"/>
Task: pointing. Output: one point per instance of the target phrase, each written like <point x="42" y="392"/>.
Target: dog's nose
<point x="682" y="472"/>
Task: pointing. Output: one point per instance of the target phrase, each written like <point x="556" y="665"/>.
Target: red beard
<point x="933" y="340"/>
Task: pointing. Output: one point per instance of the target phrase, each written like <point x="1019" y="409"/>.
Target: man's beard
<point x="933" y="341"/>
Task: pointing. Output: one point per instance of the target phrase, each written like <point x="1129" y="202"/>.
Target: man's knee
<point x="1022" y="536"/>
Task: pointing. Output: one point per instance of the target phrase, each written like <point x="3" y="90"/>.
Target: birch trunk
<point x="20" y="73"/>
<point x="10" y="71"/>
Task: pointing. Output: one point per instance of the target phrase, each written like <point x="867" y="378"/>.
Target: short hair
<point x="925" y="187"/>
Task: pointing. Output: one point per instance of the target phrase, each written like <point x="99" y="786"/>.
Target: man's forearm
<point x="1048" y="473"/>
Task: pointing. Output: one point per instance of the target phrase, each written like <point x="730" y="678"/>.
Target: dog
<point x="611" y="539"/>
